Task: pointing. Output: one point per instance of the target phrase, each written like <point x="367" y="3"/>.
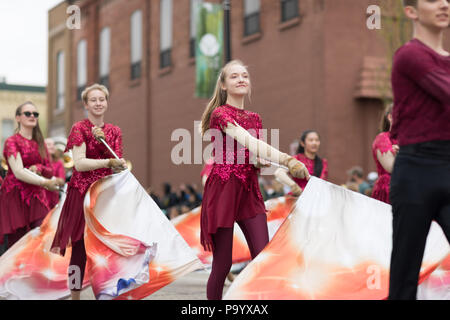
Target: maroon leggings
<point x="16" y="236"/>
<point x="257" y="236"/>
<point x="78" y="259"/>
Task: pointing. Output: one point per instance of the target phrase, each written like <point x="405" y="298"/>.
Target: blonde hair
<point x="95" y="86"/>
<point x="219" y="97"/>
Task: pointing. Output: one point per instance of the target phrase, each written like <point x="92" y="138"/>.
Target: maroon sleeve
<point x="220" y="118"/>
<point x="76" y="137"/>
<point x="419" y="66"/>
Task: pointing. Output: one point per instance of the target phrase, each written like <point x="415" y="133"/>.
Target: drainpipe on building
<point x="227" y="29"/>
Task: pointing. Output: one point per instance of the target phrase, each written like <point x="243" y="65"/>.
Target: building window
<point x="136" y="44"/>
<point x="81" y="67"/>
<point x="105" y="49"/>
<point x="7" y="131"/>
<point x="60" y="81"/>
<point x="165" y="33"/>
<point x="193" y="26"/>
<point x="251" y="17"/>
<point x="289" y="10"/>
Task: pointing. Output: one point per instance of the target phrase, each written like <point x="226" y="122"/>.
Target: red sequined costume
<point x="23" y="205"/>
<point x="71" y="222"/>
<point x="382" y="142"/>
<point x="232" y="191"/>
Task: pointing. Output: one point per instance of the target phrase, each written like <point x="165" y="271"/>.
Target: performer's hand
<point x="60" y="181"/>
<point x="98" y="133"/>
<point x="395" y="148"/>
<point x="34" y="169"/>
<point x="297" y="169"/>
<point x="296" y="190"/>
<point x="117" y="165"/>
<point x="50" y="185"/>
<point x="261" y="163"/>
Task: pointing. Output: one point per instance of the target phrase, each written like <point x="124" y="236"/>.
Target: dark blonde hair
<point x="37" y="133"/>
<point x="219" y="97"/>
<point x="385" y="124"/>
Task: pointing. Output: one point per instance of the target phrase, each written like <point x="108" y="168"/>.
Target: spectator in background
<point x="59" y="173"/>
<point x="195" y="197"/>
<point x="169" y="200"/>
<point x="356" y="176"/>
<point x="307" y="153"/>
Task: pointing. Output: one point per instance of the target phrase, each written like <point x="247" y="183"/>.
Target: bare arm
<point x="386" y="160"/>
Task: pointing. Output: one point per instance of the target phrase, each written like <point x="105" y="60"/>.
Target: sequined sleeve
<point x="11" y="148"/>
<point x="76" y="137"/>
<point x="383" y="143"/>
<point x="220" y="118"/>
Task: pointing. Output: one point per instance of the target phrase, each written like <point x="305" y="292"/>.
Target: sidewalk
<point x="190" y="287"/>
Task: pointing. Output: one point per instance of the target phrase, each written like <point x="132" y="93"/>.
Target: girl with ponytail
<point x="231" y="191"/>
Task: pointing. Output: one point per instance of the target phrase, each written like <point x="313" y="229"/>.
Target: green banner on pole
<point x="208" y="47"/>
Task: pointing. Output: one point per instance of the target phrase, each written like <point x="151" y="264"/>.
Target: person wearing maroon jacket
<point x="420" y="181"/>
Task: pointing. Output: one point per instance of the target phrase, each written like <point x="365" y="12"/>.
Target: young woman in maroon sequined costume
<point x="23" y="204"/>
<point x="92" y="161"/>
<point x="232" y="192"/>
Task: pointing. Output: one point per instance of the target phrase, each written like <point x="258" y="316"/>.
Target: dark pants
<point x="419" y="194"/>
<point x="77" y="265"/>
<point x="257" y="236"/>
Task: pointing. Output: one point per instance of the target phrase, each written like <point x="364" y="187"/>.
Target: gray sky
<point x="23" y="40"/>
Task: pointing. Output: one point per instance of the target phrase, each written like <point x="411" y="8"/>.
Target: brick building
<point x="313" y="64"/>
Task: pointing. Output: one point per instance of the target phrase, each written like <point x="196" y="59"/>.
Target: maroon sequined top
<point x="29" y="152"/>
<point x="82" y="132"/>
<point x="230" y="157"/>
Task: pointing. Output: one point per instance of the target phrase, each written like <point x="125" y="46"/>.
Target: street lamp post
<point x="227" y="29"/>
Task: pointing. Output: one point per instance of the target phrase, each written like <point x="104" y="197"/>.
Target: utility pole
<point x="227" y="29"/>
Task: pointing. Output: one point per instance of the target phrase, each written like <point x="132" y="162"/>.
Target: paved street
<point x="190" y="287"/>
